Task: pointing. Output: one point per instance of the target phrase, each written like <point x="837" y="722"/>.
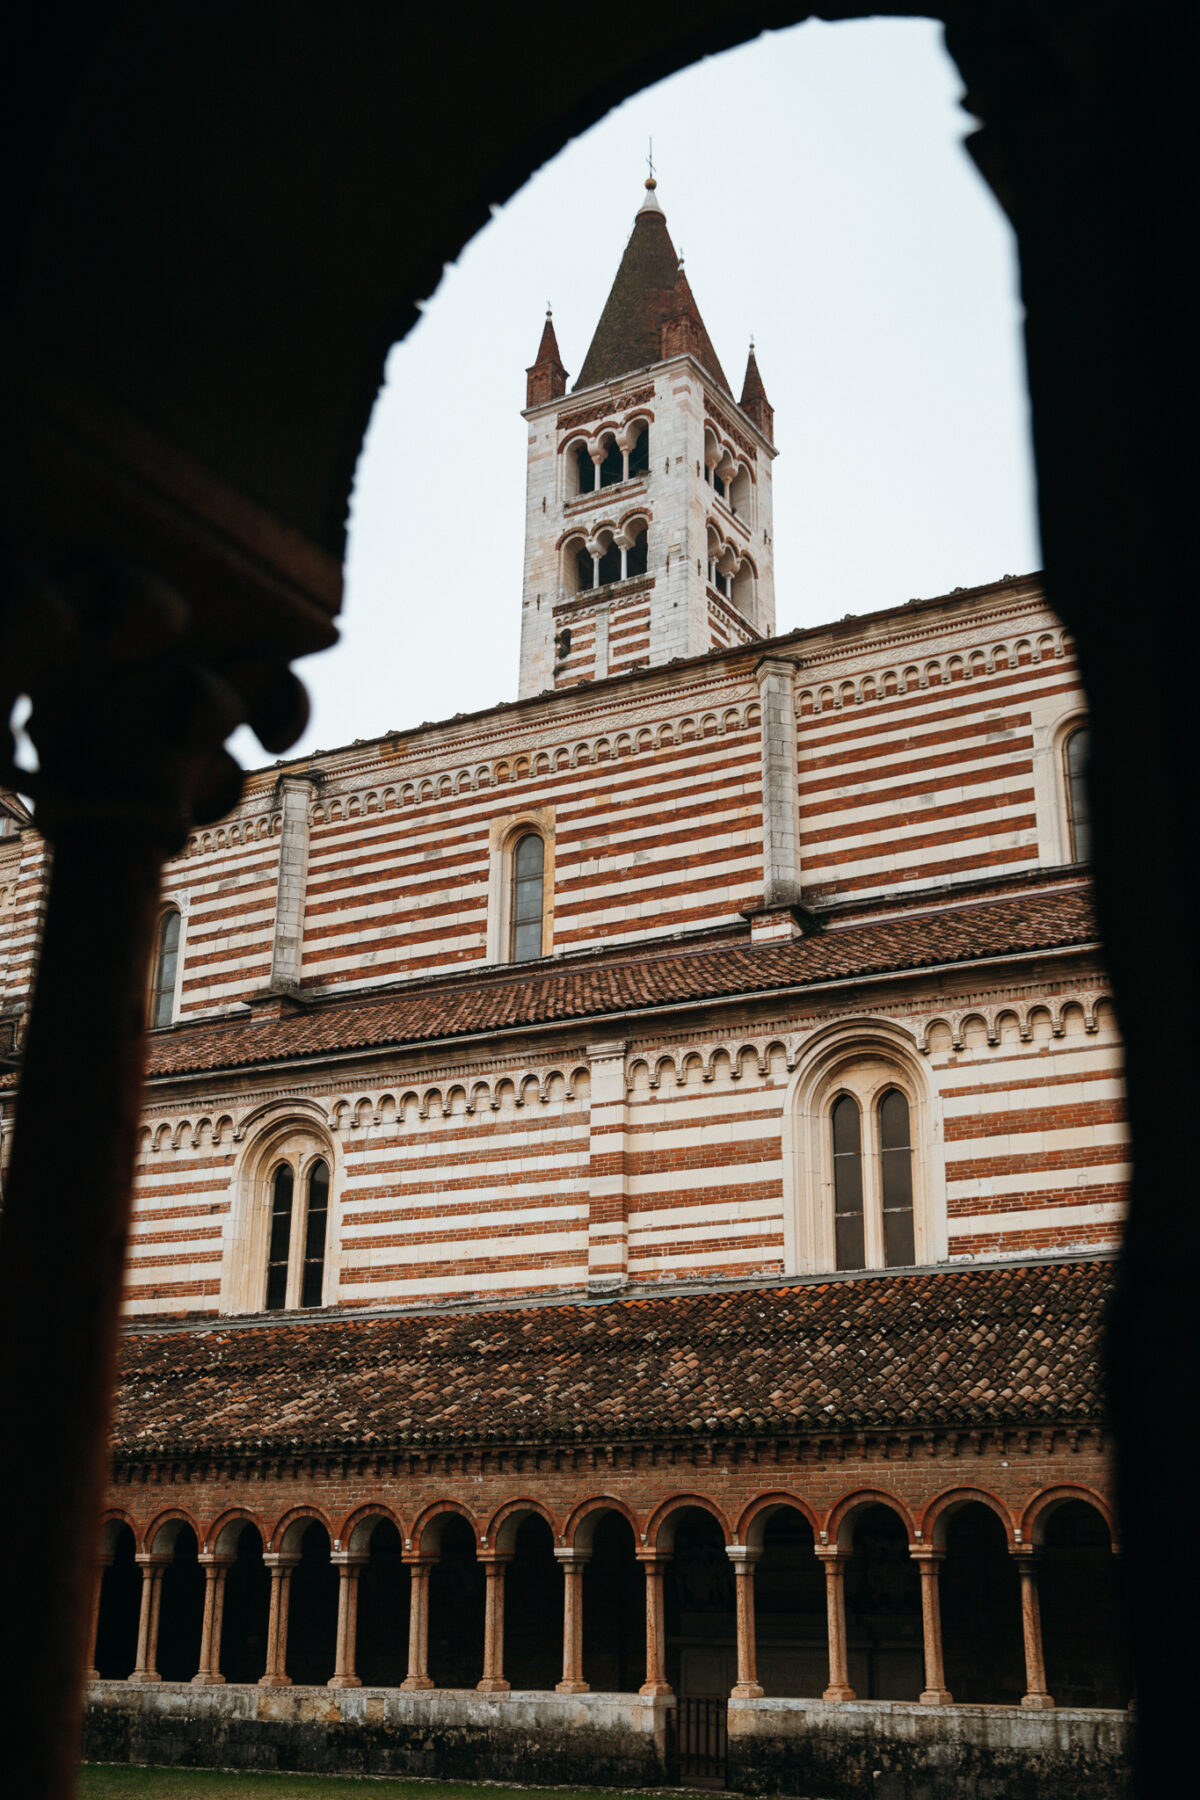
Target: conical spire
<point x="650" y="301"/>
<point x="754" y="402"/>
<point x="546" y="379"/>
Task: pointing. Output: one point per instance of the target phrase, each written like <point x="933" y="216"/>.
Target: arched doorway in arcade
<point x="533" y="1606"/>
<point x="246" y="1605"/>
<point x="884" y="1638"/>
<point x="181" y="1607"/>
<point x="614" y="1605"/>
<point x="312" y="1607"/>
<point x="115" y="1652"/>
<point x="979" y="1590"/>
<point x="1079" y="1597"/>
<point x="791" y="1632"/>
<point x="698" y="1606"/>
<point x="383" y="1607"/>
<point x="457" y="1599"/>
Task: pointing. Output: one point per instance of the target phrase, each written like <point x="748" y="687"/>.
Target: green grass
<point x="111" y="1781"/>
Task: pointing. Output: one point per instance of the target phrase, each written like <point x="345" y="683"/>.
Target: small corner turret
<point x="648" y="527"/>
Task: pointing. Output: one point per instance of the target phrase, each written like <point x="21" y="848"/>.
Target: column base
<point x="655" y="1690"/>
<point x="493" y="1684"/>
<point x="343" y="1681"/>
<point x="746" y="1690"/>
<point x="937" y="1697"/>
<point x="275" y="1681"/>
<point x="1038" y="1703"/>
<point x="208" y="1681"/>
<point x="839" y="1693"/>
<point x="416" y="1684"/>
<point x="145" y="1675"/>
<point x="573" y="1687"/>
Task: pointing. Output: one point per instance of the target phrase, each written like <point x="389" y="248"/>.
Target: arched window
<point x="895" y="1180"/>
<point x="585" y="468"/>
<point x="166" y="963"/>
<point x="528" y="899"/>
<point x="846" y="1120"/>
<point x="298" y="1232"/>
<point x="612" y="468"/>
<point x="639" y="456"/>
<point x="1078" y="749"/>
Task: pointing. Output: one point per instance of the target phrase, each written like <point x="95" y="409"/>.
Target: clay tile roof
<point x="463" y="1005"/>
<point x="957" y="1348"/>
<point x="649" y="292"/>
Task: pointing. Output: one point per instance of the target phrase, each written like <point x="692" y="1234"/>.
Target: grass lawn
<point x="111" y="1781"/>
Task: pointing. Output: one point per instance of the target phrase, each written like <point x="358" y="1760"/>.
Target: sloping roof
<point x="650" y="289"/>
<point x="965" y="1347"/>
<point x="459" y="1006"/>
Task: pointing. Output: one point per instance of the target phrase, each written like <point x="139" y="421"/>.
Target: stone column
<point x="346" y="1656"/>
<point x="215" y="1569"/>
<point x="656" y="1643"/>
<point x="279" y="1566"/>
<point x="572" y="1563"/>
<point x="744" y="1560"/>
<point x="928" y="1561"/>
<point x="294" y="795"/>
<point x="493" y="1626"/>
<point x="418" y="1623"/>
<point x="92" y="1673"/>
<point x="152" y="1567"/>
<point x="776" y="678"/>
<point x="608" y="1213"/>
<point x="835" y="1609"/>
<point x="1036" y="1697"/>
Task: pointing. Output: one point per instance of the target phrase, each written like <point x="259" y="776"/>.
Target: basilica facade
<point x="628" y="1179"/>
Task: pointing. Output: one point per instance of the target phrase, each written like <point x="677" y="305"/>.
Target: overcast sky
<point x="817" y="183"/>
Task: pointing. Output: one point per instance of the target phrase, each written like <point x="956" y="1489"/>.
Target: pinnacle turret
<point x="754" y="402"/>
<point x="546" y="378"/>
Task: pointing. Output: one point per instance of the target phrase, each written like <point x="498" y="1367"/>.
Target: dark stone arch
<point x="246" y="1610"/>
<point x="979" y="1588"/>
<point x="1080" y="1600"/>
<point x="181" y="1609"/>
<point x="312" y="1611"/>
<point x="698" y="1608"/>
<point x="383" y="1609"/>
<point x="790" y="1623"/>
<point x="533" y="1608"/>
<point x="457" y="1593"/>
<point x="614" y="1608"/>
<point x="120" y="1606"/>
<point x="884" y="1641"/>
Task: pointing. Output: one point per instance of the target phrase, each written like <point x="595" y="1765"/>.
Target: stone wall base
<point x="865" y="1750"/>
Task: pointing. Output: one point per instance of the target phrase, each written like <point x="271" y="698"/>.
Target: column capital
<point x="926" y="1553"/>
<point x="152" y="1559"/>
<point x="420" y="1562"/>
<point x="652" y="1557"/>
<point x="570" y="1557"/>
<point x="743" y="1556"/>
<point x="494" y="1559"/>
<point x="831" y="1555"/>
<point x="214" y="1559"/>
<point x="281" y="1559"/>
<point x="347" y="1559"/>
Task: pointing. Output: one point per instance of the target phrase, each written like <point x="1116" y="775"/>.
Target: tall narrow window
<point x="848" y="1183"/>
<point x="895" y="1158"/>
<point x="586" y="468"/>
<point x="282" y="1191"/>
<point x="612" y="469"/>
<point x="1079" y="746"/>
<point x="166" y="961"/>
<point x="316" y="1222"/>
<point x="639" y="456"/>
<point x="528" y="866"/>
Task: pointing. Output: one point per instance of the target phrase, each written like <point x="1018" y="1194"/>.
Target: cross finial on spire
<point x="650" y="160"/>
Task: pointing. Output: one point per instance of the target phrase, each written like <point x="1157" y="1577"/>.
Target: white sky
<point x="817" y="184"/>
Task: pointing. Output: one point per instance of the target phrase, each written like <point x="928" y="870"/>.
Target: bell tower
<point x="648" y="529"/>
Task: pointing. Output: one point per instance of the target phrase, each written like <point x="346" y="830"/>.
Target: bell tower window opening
<point x="1078" y="750"/>
<point x="586" y="468"/>
<point x="609" y="568"/>
<point x="639" y="455"/>
<point x="528" y="898"/>
<point x="846" y="1123"/>
<point x="636" y="558"/>
<point x="612" y="465"/>
<point x="166" y="966"/>
<point x="895" y="1162"/>
<point x="297" y="1239"/>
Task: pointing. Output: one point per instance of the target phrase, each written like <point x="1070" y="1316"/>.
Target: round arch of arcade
<point x="864" y="1596"/>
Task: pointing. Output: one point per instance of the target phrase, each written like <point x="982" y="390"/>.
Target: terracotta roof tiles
<point x="956" y="1348"/>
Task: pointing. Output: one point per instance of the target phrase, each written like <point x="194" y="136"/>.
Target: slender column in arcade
<point x="344" y="1675"/>
<point x="743" y="1559"/>
<point x="418" y="1623"/>
<point x="928" y="1561"/>
<point x="656" y="1646"/>
<point x="279" y="1566"/>
<point x="493" y="1627"/>
<point x="215" y="1569"/>
<point x="835" y="1608"/>
<point x="102" y="1563"/>
<point x="147" y="1651"/>
<point x="1036" y="1697"/>
<point x="573" y="1562"/>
